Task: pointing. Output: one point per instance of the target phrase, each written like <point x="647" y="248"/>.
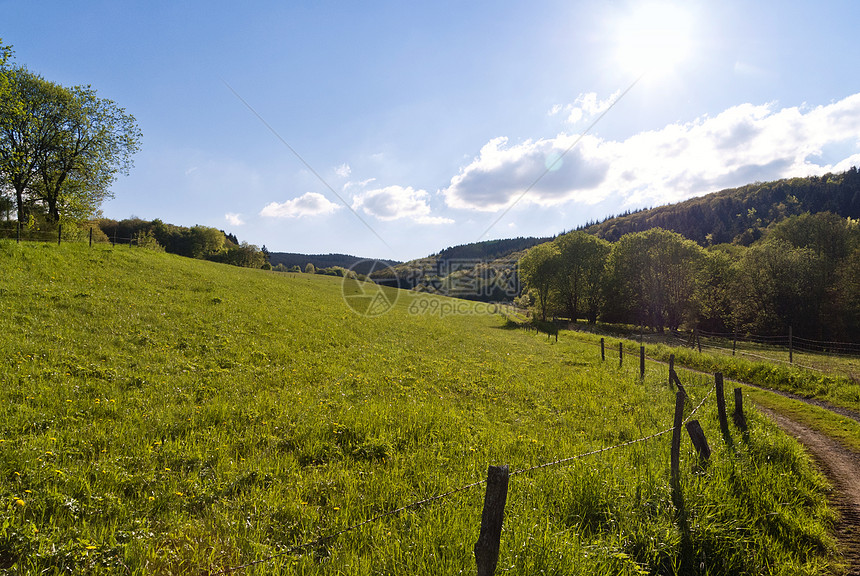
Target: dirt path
<point x="842" y="468"/>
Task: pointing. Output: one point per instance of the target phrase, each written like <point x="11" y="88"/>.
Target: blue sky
<point x="395" y="130"/>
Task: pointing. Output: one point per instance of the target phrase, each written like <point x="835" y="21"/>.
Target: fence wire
<point x="354" y="527"/>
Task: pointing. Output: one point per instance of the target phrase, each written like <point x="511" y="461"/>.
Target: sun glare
<point x="653" y="37"/>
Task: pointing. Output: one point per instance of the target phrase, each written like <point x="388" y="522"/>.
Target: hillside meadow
<point x="162" y="415"/>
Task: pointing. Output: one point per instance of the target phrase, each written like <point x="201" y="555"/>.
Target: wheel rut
<point x="842" y="467"/>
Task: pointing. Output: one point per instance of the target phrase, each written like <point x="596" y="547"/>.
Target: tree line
<point x="61" y="147"/>
<point x="201" y="242"/>
<point x="803" y="272"/>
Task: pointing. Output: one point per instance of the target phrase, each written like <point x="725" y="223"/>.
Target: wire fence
<point x="798" y="343"/>
<point x="562" y="461"/>
<point x="63" y="234"/>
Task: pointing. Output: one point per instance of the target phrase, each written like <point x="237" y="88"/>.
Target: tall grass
<point x="160" y="415"/>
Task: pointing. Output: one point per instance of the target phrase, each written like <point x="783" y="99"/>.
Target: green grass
<point x="844" y="430"/>
<point x="169" y="416"/>
<point x="832" y="382"/>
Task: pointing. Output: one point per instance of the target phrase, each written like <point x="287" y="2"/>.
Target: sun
<point x="653" y="37"/>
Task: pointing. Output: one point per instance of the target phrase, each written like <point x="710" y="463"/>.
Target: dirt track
<point x="842" y="468"/>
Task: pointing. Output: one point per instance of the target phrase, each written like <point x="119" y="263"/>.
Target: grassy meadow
<point x="161" y="415"/>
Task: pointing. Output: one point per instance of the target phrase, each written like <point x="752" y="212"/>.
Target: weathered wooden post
<point x="721" y="407"/>
<point x="738" y="416"/>
<point x="671" y="368"/>
<point x="735" y="340"/>
<point x="59" y="234"/>
<point x="676" y="438"/>
<point x="642" y="361"/>
<point x="602" y="350"/>
<point x="91" y="236"/>
<point x="487" y="546"/>
<point x="674" y="377"/>
<point x="18" y="232"/>
<point x="697" y="435"/>
<point x="620" y="354"/>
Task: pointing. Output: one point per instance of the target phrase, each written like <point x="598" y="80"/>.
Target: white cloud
<point x="361" y="184"/>
<point x="343" y="170"/>
<point x="501" y="173"/>
<point x="234" y="219"/>
<point x="308" y="204"/>
<point x="585" y="106"/>
<point x="740" y="145"/>
<point x="396" y="202"/>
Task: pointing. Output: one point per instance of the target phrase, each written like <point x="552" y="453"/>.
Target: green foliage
<point x="163" y="415"/>
<point x="539" y="270"/>
<point x="61" y="148"/>
<point x="742" y="214"/>
<point x="200" y="242"/>
<point x="582" y="275"/>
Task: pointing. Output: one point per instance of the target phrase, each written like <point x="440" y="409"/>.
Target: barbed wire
<point x="352" y="528"/>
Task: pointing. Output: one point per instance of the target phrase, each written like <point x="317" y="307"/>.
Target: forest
<point x="740" y="215"/>
<point x="803" y="273"/>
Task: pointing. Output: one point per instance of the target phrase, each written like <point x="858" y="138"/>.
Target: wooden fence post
<point x="790" y="347"/>
<point x="18" y="233"/>
<point x="739" y="418"/>
<point x="602" y="350"/>
<point x="674" y="377"/>
<point x="676" y="437"/>
<point x="721" y="407"/>
<point x="91" y="236"/>
<point x="671" y="368"/>
<point x="620" y="354"/>
<point x="697" y="435"/>
<point x="642" y="361"/>
<point x="487" y="546"/>
<point x="59" y="234"/>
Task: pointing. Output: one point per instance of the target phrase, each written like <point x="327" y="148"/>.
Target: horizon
<point x="391" y="132"/>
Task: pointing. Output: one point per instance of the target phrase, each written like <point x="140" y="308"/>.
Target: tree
<point x="539" y="270"/>
<point x="651" y="278"/>
<point x="582" y="260"/>
<point x="25" y="132"/>
<point x="93" y="141"/>
<point x="62" y="148"/>
<point x="775" y="287"/>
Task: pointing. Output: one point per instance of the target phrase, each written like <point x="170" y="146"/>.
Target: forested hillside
<point x="803" y="274"/>
<point x="739" y="215"/>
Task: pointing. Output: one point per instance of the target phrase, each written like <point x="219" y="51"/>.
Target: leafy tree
<point x="652" y="277"/>
<point x="310" y="268"/>
<point x="245" y="255"/>
<point x="582" y="260"/>
<point x="25" y="113"/>
<point x="712" y="305"/>
<point x="845" y="298"/>
<point x="539" y="270"/>
<point x="60" y="147"/>
<point x="775" y="287"/>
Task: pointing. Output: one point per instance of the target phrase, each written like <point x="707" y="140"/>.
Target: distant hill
<point x="360" y="265"/>
<point x="739" y="215"/>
